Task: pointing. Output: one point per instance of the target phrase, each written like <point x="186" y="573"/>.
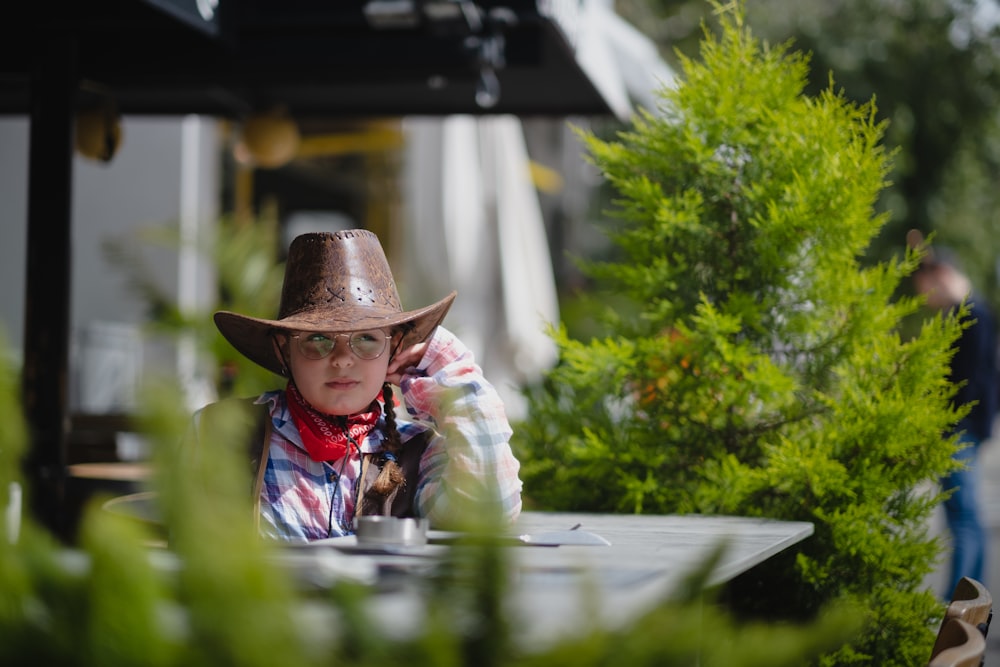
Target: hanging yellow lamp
<point x="272" y="139"/>
<point x="98" y="131"/>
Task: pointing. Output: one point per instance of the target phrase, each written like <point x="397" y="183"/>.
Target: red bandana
<point x="326" y="440"/>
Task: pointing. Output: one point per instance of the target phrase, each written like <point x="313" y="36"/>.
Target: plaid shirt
<point x="468" y="452"/>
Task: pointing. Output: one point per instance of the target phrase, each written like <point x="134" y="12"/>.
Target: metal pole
<point x="47" y="303"/>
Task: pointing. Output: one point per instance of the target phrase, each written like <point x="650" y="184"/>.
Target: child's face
<point x="340" y="383"/>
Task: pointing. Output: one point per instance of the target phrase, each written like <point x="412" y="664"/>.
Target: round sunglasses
<point x="365" y="345"/>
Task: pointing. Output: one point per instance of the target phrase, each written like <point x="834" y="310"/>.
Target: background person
<point x="973" y="367"/>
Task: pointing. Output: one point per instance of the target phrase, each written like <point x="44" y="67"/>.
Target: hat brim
<point x="252" y="336"/>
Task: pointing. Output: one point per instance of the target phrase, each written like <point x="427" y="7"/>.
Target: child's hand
<point x="404" y="359"/>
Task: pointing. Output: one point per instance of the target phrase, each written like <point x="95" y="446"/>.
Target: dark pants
<point x="964" y="517"/>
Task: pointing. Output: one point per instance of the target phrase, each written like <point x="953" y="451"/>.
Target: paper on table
<point x="571" y="537"/>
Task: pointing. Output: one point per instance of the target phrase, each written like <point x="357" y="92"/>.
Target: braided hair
<point x="391" y="476"/>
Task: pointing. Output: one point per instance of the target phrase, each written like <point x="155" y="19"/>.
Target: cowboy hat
<point x="334" y="282"/>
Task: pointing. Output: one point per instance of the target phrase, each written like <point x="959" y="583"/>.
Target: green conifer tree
<point x="762" y="370"/>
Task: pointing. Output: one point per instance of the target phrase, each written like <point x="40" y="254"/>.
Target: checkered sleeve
<point x="468" y="467"/>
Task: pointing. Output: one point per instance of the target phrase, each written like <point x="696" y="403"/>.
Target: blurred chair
<point x="971" y="602"/>
<point x="972" y="605"/>
<point x="959" y="644"/>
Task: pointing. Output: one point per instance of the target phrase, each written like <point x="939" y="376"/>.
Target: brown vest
<point x="398" y="503"/>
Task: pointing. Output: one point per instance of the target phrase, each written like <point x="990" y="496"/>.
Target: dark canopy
<point x="315" y="57"/>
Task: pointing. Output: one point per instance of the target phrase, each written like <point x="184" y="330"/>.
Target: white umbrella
<point x="473" y="218"/>
<point x="624" y="65"/>
<point x="530" y="302"/>
<point x="474" y="224"/>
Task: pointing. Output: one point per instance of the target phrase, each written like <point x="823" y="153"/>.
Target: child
<point x="332" y="448"/>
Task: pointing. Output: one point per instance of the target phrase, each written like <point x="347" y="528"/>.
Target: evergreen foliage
<point x="935" y="67"/>
<point x="219" y="595"/>
<point x="761" y="368"/>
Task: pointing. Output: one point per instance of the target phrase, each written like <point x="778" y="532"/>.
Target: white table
<point x="554" y="588"/>
<point x="646" y="560"/>
<point x="556" y="591"/>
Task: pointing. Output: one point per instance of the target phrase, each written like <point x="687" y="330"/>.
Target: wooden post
<point x="48" y="298"/>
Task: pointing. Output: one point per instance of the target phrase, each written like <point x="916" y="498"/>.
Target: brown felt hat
<point x="334" y="282"/>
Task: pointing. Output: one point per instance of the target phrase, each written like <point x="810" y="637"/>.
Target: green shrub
<point x="217" y="597"/>
<point x="760" y="369"/>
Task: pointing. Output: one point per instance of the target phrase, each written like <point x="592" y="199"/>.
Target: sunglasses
<point x="365" y="345"/>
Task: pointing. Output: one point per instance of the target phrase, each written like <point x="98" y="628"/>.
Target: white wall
<point x="142" y="185"/>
